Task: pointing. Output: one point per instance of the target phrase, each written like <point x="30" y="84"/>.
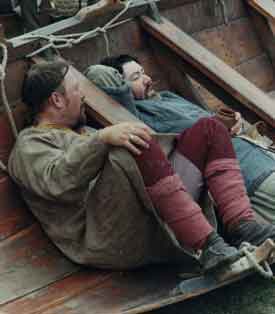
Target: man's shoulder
<point x="29" y="136"/>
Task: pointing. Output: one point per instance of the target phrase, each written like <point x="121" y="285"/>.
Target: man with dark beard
<point x="124" y="78"/>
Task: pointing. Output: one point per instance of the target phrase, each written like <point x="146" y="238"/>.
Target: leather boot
<point x="216" y="253"/>
<point x="251" y="231"/>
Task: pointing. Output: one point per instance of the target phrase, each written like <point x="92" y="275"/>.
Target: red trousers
<point x="207" y="145"/>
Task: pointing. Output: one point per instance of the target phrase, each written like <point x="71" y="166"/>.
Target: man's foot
<point x="251" y="231"/>
<point x="216" y="253"/>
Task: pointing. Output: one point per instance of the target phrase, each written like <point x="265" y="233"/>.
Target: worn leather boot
<point x="251" y="231"/>
<point x="217" y="253"/>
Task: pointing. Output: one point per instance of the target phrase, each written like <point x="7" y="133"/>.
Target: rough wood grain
<point x="265" y="7"/>
<point x="14" y="215"/>
<point x="234" y="43"/>
<point x="197" y="16"/>
<point x="213" y="67"/>
<point x="129" y="292"/>
<point x="29" y="261"/>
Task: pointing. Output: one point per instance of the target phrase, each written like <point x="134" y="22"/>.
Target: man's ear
<point x="57" y="99"/>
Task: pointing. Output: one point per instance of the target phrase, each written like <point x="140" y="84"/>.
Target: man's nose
<point x="147" y="79"/>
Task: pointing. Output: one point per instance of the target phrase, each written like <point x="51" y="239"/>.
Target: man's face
<point x="75" y="107"/>
<point x="140" y="82"/>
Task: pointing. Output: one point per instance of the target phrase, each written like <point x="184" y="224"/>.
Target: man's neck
<point x="54" y="122"/>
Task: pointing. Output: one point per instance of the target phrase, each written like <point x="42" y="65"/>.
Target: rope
<point x="265" y="270"/>
<point x="224" y="10"/>
<point x="3" y="66"/>
<point x="69" y="40"/>
<point x="3" y="166"/>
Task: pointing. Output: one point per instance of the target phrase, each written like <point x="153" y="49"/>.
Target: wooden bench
<point x="265" y="7"/>
<point x="210" y="66"/>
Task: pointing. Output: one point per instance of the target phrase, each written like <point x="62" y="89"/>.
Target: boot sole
<point x="222" y="263"/>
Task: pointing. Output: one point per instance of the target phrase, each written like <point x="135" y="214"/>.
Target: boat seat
<point x="213" y="68"/>
<point x="264" y="7"/>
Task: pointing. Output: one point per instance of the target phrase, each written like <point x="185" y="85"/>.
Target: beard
<point x="82" y="120"/>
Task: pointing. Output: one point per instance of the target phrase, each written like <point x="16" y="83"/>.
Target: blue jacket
<point x="172" y="114"/>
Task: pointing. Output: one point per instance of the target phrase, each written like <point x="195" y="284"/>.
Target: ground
<point x="253" y="295"/>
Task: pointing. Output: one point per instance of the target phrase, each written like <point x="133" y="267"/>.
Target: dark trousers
<point x="29" y="12"/>
<point x="5" y="7"/>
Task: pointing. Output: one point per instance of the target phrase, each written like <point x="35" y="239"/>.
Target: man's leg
<point x="208" y="146"/>
<point x="6" y="7"/>
<point x="178" y="210"/>
<point x="263" y="199"/>
<point x="29" y="11"/>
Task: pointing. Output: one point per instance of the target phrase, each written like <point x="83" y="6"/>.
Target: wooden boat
<point x="236" y="69"/>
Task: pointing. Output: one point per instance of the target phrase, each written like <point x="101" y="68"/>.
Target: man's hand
<point x="132" y="135"/>
<point x="237" y="127"/>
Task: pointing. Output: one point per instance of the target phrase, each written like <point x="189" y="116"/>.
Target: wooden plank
<point x="29" y="261"/>
<point x="207" y="63"/>
<point x="197" y="16"/>
<point x="14" y="215"/>
<point x="234" y="43"/>
<point x="265" y="7"/>
<point x="258" y="71"/>
<point x="180" y="82"/>
<point x="58" y="292"/>
<point x="265" y="31"/>
<point x="128" y="292"/>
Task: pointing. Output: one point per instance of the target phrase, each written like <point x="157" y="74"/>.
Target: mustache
<point x="155" y="82"/>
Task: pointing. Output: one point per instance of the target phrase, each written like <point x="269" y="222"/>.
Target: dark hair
<point x="117" y="62"/>
<point x="41" y="80"/>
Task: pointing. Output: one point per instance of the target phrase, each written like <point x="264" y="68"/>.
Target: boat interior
<point x="213" y="53"/>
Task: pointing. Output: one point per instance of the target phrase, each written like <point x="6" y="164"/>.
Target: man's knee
<point x="212" y="124"/>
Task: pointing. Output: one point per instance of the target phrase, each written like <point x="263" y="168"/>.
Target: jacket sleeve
<point x="52" y="172"/>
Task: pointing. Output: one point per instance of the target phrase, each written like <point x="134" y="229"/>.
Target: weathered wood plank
<point x="265" y="7"/>
<point x="14" y="215"/>
<point x="59" y="292"/>
<point x="129" y="292"/>
<point x="235" y="84"/>
<point x="234" y="43"/>
<point x="197" y="16"/>
<point x="258" y="71"/>
<point x="265" y="31"/>
<point x="29" y="261"/>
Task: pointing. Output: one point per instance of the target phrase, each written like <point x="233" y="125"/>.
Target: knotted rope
<point x="264" y="270"/>
<point x="68" y="41"/>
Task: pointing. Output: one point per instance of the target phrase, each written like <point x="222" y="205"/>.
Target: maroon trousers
<point x="207" y="145"/>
